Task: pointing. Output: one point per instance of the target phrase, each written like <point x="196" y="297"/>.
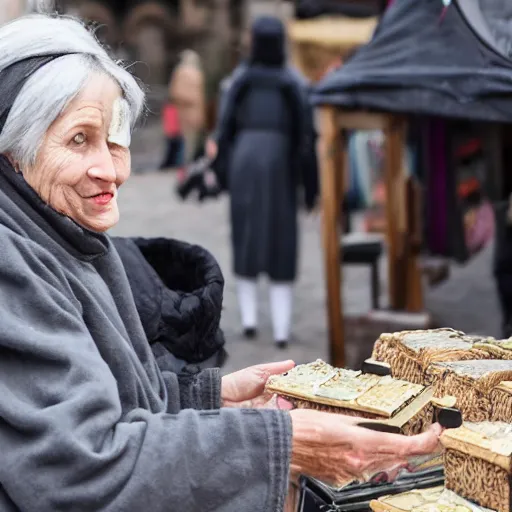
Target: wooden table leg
<point x="402" y="224"/>
<point x="396" y="214"/>
<point x="414" y="293"/>
<point x="293" y="498"/>
<point x="329" y="151"/>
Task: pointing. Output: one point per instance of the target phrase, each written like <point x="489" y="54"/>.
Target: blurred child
<point x="174" y="148"/>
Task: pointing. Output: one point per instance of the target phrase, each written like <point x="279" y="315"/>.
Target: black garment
<point x="503" y="265"/>
<point x="178" y="291"/>
<point x="268" y="42"/>
<point x="14" y="78"/>
<point x="265" y="146"/>
<point x="172" y="152"/>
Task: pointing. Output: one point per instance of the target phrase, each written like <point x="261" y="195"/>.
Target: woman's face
<point x="77" y="170"/>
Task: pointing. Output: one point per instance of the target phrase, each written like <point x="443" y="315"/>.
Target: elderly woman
<point x="90" y="421"/>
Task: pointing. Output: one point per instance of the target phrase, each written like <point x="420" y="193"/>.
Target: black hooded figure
<point x="266" y="149"/>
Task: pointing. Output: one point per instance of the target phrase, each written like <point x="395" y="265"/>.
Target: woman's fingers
<point x="275" y="368"/>
<point x="330" y="446"/>
<point x="250" y="383"/>
<point x="399" y="445"/>
<point x="274" y="402"/>
<point x="264" y="401"/>
<point x="374" y="452"/>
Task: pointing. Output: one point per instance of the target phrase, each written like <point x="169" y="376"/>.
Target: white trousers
<point x="281" y="302"/>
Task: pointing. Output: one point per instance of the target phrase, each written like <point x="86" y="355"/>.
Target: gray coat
<point x="265" y="152"/>
<point x="89" y="421"/>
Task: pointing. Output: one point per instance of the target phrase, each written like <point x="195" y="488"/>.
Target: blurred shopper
<point x="174" y="141"/>
<point x="187" y="92"/>
<point x="265" y="149"/>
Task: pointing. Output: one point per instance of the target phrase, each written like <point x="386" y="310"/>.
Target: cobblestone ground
<point x="149" y="208"/>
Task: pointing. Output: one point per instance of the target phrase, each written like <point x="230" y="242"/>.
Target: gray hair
<point x="50" y="89"/>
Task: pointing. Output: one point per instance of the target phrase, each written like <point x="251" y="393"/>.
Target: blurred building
<point x="10" y="9"/>
<point x="152" y="33"/>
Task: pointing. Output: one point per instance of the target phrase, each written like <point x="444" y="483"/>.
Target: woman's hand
<point x="332" y="448"/>
<point x="246" y="388"/>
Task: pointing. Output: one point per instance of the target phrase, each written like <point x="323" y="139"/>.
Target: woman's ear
<point x="13" y="162"/>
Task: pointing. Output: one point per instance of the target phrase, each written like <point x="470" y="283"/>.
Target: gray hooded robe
<point x="266" y="150"/>
<point x="89" y="421"/>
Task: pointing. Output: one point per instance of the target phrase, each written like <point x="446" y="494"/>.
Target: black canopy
<point x="419" y="62"/>
<point x="305" y="9"/>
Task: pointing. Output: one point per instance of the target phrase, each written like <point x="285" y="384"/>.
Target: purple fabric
<point x="438" y="193"/>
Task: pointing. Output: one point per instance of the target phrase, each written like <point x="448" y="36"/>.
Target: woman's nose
<point x="103" y="167"/>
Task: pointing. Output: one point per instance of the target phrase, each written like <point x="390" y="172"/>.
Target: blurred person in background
<point x="265" y="149"/>
<point x="174" y="140"/>
<point x="187" y="92"/>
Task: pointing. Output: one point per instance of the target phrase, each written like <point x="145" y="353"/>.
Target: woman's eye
<point x="79" y="138"/>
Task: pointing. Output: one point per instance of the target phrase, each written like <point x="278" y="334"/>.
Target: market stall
<point x="425" y="59"/>
<point x="319" y="42"/>
<point x="415" y="379"/>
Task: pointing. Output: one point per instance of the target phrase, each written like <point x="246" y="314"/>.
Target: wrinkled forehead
<point x="101" y="104"/>
<point x="100" y="93"/>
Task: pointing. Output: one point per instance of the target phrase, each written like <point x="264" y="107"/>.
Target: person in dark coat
<point x="178" y="292"/>
<point x="265" y="149"/>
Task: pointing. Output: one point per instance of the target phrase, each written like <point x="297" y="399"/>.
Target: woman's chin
<point x="100" y="223"/>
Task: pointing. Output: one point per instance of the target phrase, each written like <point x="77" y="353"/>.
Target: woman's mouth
<point x="103" y="198"/>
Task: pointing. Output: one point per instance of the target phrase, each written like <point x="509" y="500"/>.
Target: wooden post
<point x="402" y="217"/>
<point x="414" y="289"/>
<point x="330" y="164"/>
<point x="396" y="211"/>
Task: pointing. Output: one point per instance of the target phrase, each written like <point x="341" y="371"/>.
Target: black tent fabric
<point x="421" y="62"/>
<point x="306" y="9"/>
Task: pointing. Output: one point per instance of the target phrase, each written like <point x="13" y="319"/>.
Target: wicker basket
<point x="477" y="463"/>
<point x="411" y="352"/>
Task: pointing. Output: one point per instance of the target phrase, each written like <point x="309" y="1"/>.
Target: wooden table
<point x="402" y="226"/>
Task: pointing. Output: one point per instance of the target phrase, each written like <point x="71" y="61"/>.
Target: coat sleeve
<point x="65" y="443"/>
<point x="227" y="126"/>
<point x="223" y="91"/>
<point x="305" y="141"/>
<point x="224" y="88"/>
